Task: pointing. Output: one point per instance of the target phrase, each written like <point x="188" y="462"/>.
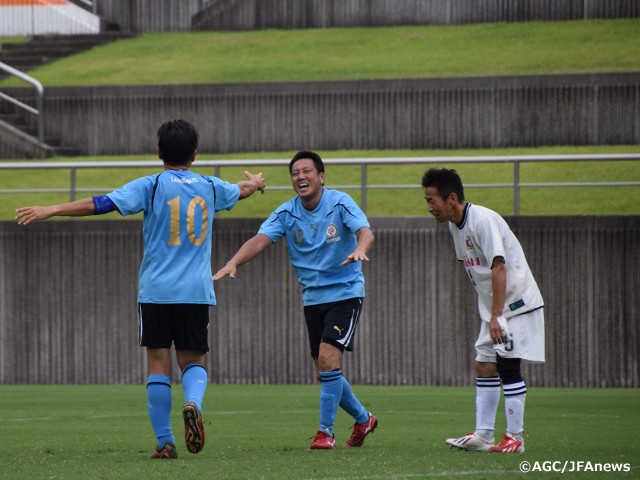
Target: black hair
<point x="445" y="182"/>
<point x="177" y="140"/>
<point x="310" y="155"/>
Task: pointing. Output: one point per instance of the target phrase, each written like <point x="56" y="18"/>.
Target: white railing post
<point x="39" y="111"/>
<point x="363" y="187"/>
<point x="73" y="185"/>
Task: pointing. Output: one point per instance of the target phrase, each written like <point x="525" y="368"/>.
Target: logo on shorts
<point x="339" y="330"/>
<point x="508" y="345"/>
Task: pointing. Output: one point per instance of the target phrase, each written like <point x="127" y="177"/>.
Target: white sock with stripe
<point x="487" y="398"/>
<point x="514" y="397"/>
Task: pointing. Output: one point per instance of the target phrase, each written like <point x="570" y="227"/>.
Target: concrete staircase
<point x="22" y="139"/>
<point x="15" y="132"/>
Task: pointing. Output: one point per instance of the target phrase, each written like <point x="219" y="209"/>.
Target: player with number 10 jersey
<point x="178" y="207"/>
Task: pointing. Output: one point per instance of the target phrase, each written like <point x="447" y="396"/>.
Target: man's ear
<point x="159" y="153"/>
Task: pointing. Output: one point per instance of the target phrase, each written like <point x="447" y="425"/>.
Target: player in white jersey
<point x="328" y="237"/>
<point x="509" y="303"/>
<point x="175" y="286"/>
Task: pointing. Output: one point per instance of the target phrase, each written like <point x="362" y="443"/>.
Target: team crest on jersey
<point x="332" y="233"/>
<point x="469" y="243"/>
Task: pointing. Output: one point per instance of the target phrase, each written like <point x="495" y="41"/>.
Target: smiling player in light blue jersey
<point x="175" y="285"/>
<point x="328" y="237"/>
<point x="317" y="241"/>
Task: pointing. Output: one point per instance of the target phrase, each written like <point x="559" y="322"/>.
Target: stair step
<point x="106" y="37"/>
<point x="67" y="151"/>
<point x="53" y="141"/>
<point x="25" y="65"/>
<point x="28" y="129"/>
<point x="29" y="49"/>
<point x="65" y="41"/>
<point x="12" y="118"/>
<point x="34" y="57"/>
<point x="22" y="126"/>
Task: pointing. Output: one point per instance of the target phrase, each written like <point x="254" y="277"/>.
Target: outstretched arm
<point x="248" y="187"/>
<point x="365" y="242"/>
<point x="249" y="250"/>
<point x="79" y="208"/>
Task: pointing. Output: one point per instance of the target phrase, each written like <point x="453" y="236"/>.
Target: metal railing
<point x="364" y="163"/>
<point x="39" y="110"/>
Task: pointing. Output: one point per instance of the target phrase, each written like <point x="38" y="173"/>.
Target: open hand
<point x="27" y="215"/>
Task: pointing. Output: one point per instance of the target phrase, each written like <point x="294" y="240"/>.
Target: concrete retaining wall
<point x="68" y="311"/>
<point x="142" y="16"/>
<point x="285" y="14"/>
<point x="451" y="113"/>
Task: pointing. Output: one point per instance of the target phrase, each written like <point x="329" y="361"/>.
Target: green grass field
<point x="487" y="49"/>
<point x="260" y="432"/>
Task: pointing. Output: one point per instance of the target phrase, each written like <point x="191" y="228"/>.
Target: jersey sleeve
<point x="133" y="197"/>
<point x="489" y="235"/>
<point x="226" y="194"/>
<point x="352" y="215"/>
<point x="273" y="227"/>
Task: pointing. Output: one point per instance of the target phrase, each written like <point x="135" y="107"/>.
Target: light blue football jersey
<point x="178" y="207"/>
<point x="318" y="242"/>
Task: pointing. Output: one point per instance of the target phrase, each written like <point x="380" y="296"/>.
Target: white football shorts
<point x="527" y="339"/>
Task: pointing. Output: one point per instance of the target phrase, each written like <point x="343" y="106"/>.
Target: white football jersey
<point x="482" y="236"/>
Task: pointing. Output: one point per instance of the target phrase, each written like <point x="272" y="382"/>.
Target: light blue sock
<point x="194" y="384"/>
<point x="330" y="395"/>
<point x="159" y="407"/>
<point x="352" y="405"/>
